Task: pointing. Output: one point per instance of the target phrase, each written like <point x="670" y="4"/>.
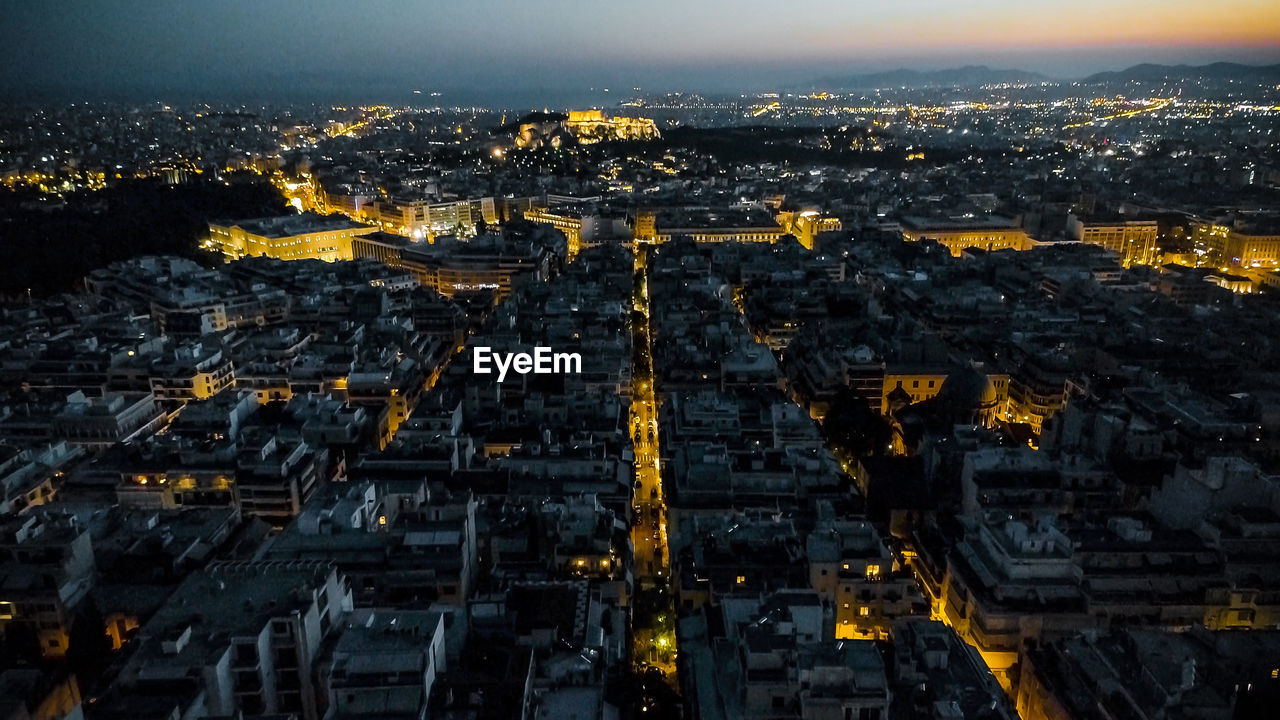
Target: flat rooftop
<point x="986" y="222"/>
<point x="290" y="225"/>
<point x="714" y="219"/>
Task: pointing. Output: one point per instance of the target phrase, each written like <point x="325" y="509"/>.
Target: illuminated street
<point x="607" y="362"/>
<point x="654" y="641"/>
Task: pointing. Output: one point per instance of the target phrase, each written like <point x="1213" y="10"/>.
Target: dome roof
<point x="967" y="387"/>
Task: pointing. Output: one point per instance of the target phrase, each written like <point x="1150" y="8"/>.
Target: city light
<point x="868" y="392"/>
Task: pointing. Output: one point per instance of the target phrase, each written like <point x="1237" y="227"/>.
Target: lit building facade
<point x="269" y="477"/>
<point x="1133" y="240"/>
<point x="195" y="372"/>
<point x="290" y="237"/>
<point x="568" y="222"/>
<point x="923" y="383"/>
<point x="403" y="217"/>
<point x="920" y="385"/>
<point x="1252" y="249"/>
<point x="485" y="263"/>
<point x="1210" y="242"/>
<point x="807" y="224"/>
<point x="1037" y="388"/>
<point x="646" y="225"/>
<point x="727" y="234"/>
<point x="592" y="126"/>
<point x="854" y="572"/>
<point x="420" y="219"/>
<point x="702" y="225"/>
<point x="1242" y="245"/>
<point x="959" y="235"/>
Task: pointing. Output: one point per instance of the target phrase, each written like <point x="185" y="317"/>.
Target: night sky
<point x="385" y="49"/>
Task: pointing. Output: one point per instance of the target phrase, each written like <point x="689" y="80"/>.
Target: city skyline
<point x="570" y="360"/>
<point x="384" y="51"/>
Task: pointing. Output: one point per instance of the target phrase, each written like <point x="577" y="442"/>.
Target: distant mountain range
<point x="1148" y="72"/>
<point x="967" y="76"/>
<point x="975" y="75"/>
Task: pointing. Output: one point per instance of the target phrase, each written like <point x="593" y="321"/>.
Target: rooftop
<point x="290" y="225"/>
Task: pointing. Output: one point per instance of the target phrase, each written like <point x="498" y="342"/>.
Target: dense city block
<point x="898" y="396"/>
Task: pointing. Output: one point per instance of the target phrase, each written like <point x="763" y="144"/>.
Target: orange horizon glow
<point x="1232" y="23"/>
<point x="459" y="47"/>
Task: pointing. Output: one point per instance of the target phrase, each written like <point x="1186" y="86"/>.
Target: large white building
<point x="307" y="236"/>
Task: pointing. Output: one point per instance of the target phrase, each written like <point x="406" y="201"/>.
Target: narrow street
<point x="653" y="617"/>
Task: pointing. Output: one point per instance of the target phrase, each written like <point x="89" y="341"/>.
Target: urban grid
<point x="904" y="395"/>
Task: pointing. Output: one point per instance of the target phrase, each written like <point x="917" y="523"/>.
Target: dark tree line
<point x="48" y="249"/>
